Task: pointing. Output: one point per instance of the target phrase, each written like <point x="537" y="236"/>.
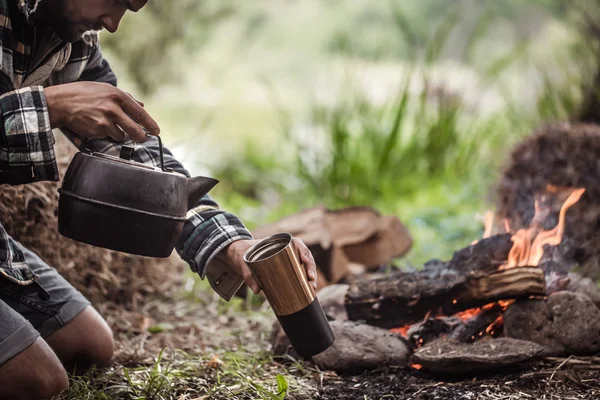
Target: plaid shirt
<point x="31" y="60"/>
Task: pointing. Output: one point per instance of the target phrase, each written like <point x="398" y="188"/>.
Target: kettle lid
<point x="127" y="152"/>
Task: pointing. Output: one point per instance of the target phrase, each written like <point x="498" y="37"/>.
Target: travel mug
<point x="276" y="266"/>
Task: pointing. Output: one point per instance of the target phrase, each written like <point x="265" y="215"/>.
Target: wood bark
<point x="471" y="279"/>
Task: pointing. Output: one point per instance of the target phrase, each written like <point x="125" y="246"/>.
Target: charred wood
<point x="476" y="326"/>
<point x="431" y="329"/>
<point x="471" y="279"/>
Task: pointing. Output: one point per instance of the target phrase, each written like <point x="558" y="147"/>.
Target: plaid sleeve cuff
<point x="26" y="139"/>
<point x="206" y="233"/>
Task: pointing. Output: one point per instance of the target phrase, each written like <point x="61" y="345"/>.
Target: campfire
<point x="513" y="279"/>
<point x="504" y="299"/>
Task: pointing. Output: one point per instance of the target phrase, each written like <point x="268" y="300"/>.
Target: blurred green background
<point x="408" y="106"/>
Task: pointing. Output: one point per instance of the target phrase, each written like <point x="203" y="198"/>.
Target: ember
<point x="467" y="326"/>
<point x="402" y="331"/>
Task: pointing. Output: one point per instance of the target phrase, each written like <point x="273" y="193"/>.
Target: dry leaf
<point x="215" y="361"/>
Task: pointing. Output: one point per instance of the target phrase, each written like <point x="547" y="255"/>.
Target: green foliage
<point x="282" y="387"/>
<point x="175" y="375"/>
<point x="373" y="152"/>
<point x="158" y="43"/>
<point x="424" y="154"/>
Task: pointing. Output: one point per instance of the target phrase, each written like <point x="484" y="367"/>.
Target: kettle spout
<point x="199" y="187"/>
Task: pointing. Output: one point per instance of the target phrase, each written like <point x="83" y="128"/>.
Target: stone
<point x="280" y="344"/>
<point x="449" y="356"/>
<point x="361" y="347"/>
<point x="357" y="347"/>
<point x="586" y="286"/>
<point x="565" y="323"/>
<point x="331" y="299"/>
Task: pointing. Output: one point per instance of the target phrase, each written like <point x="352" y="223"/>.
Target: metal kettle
<point x="123" y="205"/>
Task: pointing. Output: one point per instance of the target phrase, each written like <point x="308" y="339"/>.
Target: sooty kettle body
<point x="123" y="205"/>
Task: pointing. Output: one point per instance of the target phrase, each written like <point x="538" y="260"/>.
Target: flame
<point x="468" y="314"/>
<point x="528" y="247"/>
<point x="402" y="330"/>
<point x="493" y="327"/>
<point x="488" y="223"/>
<point x="473" y="312"/>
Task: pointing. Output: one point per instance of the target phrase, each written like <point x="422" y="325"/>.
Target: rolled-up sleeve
<point x="26" y="139"/>
<point x="207" y="232"/>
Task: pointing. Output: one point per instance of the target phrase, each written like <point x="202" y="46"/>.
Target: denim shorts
<point x="38" y="309"/>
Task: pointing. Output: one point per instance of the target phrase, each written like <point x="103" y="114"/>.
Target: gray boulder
<point x="356" y="347"/>
<point x="580" y="284"/>
<point x="565" y="323"/>
<point x="359" y="346"/>
<point x="451" y="357"/>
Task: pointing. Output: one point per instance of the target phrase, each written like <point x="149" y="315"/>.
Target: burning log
<point x="471" y="279"/>
<point x="431" y="329"/>
<point x="479" y="325"/>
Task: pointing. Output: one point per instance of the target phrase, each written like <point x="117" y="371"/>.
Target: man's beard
<point x="53" y="14"/>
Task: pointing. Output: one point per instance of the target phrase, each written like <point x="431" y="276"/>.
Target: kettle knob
<point x="126" y="152"/>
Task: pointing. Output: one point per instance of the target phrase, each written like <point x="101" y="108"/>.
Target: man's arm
<point x="208" y="230"/>
<point x="26" y="139"/>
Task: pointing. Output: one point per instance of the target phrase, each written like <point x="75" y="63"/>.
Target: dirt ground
<point x="227" y="345"/>
<point x="540" y="380"/>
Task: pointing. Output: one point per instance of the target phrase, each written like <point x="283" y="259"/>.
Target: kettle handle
<point x="160" y="148"/>
<point x="127" y="152"/>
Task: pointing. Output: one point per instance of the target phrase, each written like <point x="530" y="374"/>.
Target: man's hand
<point x="234" y="255"/>
<point x="96" y="110"/>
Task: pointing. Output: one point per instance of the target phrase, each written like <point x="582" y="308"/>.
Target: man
<point x="52" y="75"/>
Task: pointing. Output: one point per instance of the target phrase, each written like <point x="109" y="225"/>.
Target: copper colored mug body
<point x="277" y="268"/>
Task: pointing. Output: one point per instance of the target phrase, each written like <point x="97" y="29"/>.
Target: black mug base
<point x="308" y="330"/>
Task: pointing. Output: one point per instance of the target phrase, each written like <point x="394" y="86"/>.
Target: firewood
<point x="431" y="329"/>
<point x="338" y="238"/>
<point x="476" y="326"/>
<point x="392" y="240"/>
<point x="353" y="225"/>
<point x="471" y="279"/>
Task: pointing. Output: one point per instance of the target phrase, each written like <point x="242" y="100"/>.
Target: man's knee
<point x="99" y="346"/>
<point x="85" y="341"/>
<point x="35" y="373"/>
<point x="103" y="346"/>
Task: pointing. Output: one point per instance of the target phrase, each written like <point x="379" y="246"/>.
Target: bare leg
<point x="85" y="341"/>
<point x="36" y="373"/>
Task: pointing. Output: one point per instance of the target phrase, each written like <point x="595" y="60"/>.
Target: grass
<point x="422" y="155"/>
<point x="223" y="375"/>
<point x="221" y="359"/>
